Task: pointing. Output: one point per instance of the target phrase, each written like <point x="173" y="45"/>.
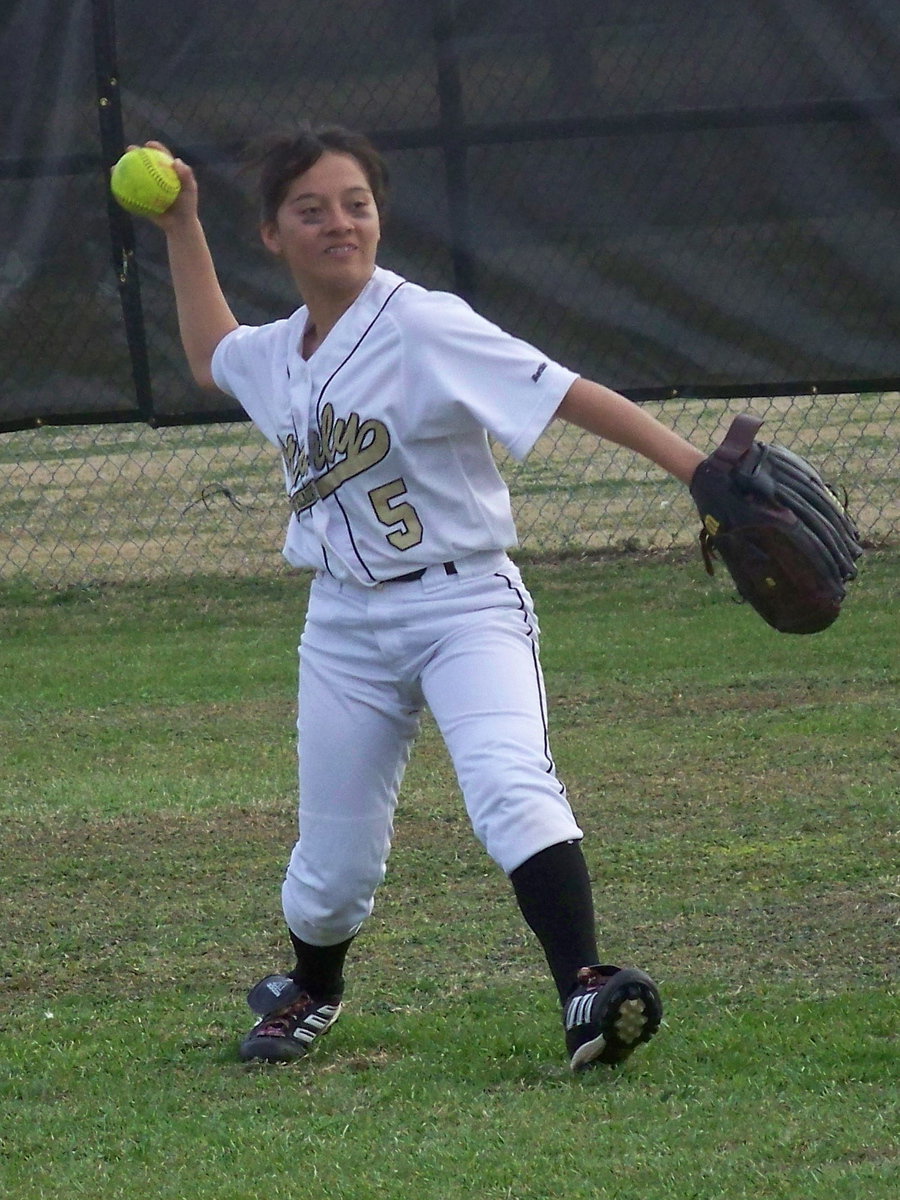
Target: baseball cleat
<point x="610" y="1012"/>
<point x="272" y="993"/>
<point x="291" y="1020"/>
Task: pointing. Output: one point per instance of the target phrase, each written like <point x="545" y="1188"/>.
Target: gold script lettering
<point x="340" y="449"/>
<point x="364" y="445"/>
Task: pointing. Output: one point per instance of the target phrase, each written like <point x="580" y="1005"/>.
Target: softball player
<point x="381" y="397"/>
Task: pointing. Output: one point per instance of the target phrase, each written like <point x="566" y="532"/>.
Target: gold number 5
<point x="403" y="514"/>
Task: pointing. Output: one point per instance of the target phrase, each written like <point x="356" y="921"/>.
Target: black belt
<point x="449" y="568"/>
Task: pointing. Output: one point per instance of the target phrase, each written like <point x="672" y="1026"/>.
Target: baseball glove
<point x="782" y="533"/>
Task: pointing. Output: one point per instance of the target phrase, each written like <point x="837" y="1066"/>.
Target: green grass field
<point x="739" y="792"/>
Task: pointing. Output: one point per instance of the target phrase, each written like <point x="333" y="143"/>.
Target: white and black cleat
<point x="610" y="1012"/>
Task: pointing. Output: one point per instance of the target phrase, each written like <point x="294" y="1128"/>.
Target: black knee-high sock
<point x="320" y="969"/>
<point x="553" y="891"/>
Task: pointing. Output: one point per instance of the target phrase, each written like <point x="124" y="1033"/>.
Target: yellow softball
<point x="144" y="181"/>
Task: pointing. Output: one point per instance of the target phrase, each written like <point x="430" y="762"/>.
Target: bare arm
<point x="609" y="415"/>
<point x="204" y="316"/>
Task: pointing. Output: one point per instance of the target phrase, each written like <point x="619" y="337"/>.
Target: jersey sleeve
<point x="243" y="365"/>
<point x="461" y="366"/>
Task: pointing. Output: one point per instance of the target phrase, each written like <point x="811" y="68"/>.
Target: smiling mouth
<point x="339" y="250"/>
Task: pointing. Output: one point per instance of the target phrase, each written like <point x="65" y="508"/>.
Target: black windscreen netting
<point x="697" y="197"/>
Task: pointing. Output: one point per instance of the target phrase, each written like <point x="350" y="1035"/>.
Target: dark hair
<point x="285" y="157"/>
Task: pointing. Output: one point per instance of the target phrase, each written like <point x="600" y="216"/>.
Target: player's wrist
<point x="688" y="468"/>
<point x="184" y="232"/>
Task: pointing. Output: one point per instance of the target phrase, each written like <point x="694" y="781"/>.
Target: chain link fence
<point x="694" y="204"/>
<point x="113" y="503"/>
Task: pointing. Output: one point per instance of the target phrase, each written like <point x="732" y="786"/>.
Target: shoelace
<point x="592" y="979"/>
<point x="279" y="1024"/>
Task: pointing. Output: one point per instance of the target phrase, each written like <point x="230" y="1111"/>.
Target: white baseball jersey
<point x="384" y="429"/>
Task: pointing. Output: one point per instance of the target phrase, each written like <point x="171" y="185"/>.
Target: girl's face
<point x="327" y="228"/>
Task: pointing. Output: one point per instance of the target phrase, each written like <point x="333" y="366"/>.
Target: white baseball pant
<point x="370" y="658"/>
